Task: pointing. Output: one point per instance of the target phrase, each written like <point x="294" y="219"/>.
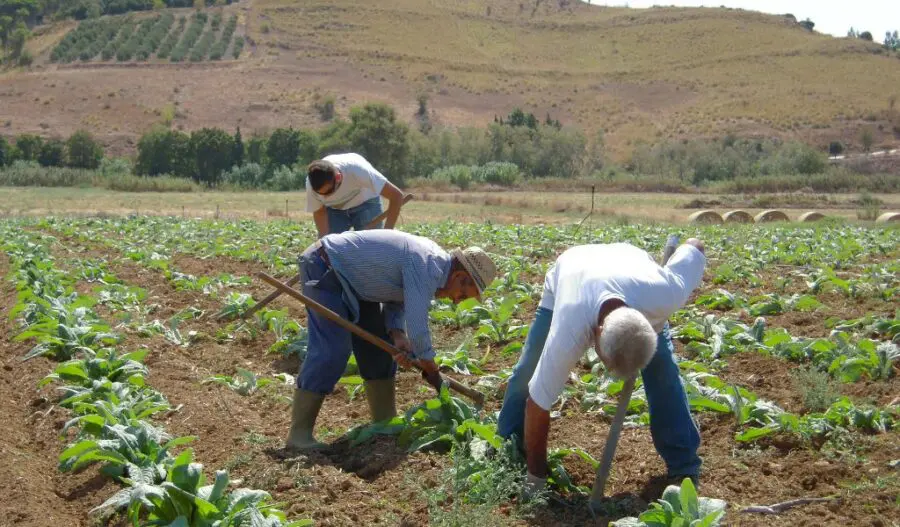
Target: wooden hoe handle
<point x="406" y="199"/>
<point x="454" y="385"/>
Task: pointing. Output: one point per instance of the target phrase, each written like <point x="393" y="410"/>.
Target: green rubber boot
<point x="380" y="394"/>
<point x="304" y="411"/>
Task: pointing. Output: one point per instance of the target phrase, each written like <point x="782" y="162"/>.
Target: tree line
<point x="212" y="155"/>
<point x="80" y="150"/>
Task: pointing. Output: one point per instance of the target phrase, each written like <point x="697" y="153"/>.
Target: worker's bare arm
<point x="537" y="430"/>
<point x="321" y="218"/>
<point x="395" y="196"/>
<point x="696" y="242"/>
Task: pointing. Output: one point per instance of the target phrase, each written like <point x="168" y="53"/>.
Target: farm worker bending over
<point x="343" y="191"/>
<point x="616" y="297"/>
<point x="403" y="273"/>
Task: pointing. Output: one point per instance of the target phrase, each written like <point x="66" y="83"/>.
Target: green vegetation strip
<point x="111" y="404"/>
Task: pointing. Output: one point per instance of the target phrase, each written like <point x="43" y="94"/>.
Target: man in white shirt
<point x="345" y="190"/>
<point x="616" y="297"/>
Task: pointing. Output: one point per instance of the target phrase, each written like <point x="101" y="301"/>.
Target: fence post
<point x="286" y="209"/>
<point x="217" y="211"/>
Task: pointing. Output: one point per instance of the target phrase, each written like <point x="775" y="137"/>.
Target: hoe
<point x="476" y="396"/>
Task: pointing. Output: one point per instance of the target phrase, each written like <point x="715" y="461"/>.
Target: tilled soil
<point x="378" y="482"/>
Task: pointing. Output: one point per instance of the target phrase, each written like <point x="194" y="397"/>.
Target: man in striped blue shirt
<point x="402" y="272"/>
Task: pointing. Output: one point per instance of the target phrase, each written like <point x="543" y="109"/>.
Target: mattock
<point x="615" y="429"/>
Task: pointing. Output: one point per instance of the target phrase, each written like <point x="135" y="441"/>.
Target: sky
<point x="834" y="17"/>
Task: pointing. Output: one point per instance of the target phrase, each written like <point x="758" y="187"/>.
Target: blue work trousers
<point x="674" y="432"/>
<point x="357" y="217"/>
<point x="329" y="344"/>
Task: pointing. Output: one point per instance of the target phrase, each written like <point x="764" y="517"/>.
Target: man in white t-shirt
<point x="345" y="190"/>
<point x="618" y="299"/>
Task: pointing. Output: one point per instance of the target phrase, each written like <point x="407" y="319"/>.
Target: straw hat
<point x="478" y="264"/>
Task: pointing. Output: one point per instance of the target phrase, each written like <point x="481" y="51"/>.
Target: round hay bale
<point x="771" y="215"/>
<point x="889" y="217"/>
<point x="738" y="216"/>
<point x="811" y="216"/>
<point x="706" y="216"/>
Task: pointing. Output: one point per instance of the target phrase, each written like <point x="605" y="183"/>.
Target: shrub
<point x="458" y="175"/>
<point x="836" y="148"/>
<point x="818" y="389"/>
<point x="869" y="207"/>
<point x="867" y="138"/>
<point x="115" y="168"/>
<point x="497" y="173"/>
<point x="284" y="179"/>
<point x="238" y="47"/>
<point x="250" y="175"/>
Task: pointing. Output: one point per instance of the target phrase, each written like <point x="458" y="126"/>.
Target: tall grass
<point x="111" y="176"/>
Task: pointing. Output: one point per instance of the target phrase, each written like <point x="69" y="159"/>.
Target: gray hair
<point x="627" y="342"/>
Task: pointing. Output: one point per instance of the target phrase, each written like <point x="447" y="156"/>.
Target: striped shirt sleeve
<point x="417" y="297"/>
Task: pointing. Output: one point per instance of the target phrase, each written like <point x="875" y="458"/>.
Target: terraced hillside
<point x="635" y="74"/>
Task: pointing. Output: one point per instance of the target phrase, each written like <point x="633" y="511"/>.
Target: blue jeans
<point x="674" y="432"/>
<point x="356" y="217"/>
<point x="329" y="344"/>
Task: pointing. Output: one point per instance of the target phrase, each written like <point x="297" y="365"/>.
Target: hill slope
<point x="637" y="74"/>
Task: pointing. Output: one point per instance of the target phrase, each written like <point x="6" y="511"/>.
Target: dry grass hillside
<point x="636" y="74"/>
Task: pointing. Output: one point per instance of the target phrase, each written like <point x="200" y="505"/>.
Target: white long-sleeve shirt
<point x="585" y="277"/>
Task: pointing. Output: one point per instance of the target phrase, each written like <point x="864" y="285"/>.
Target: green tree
<point x="83" y="151"/>
<point x="16" y="41"/>
<point x="213" y="149"/>
<point x="163" y="151"/>
<point x="808" y="24"/>
<point x="309" y="145"/>
<point x="6" y="152"/>
<point x="53" y="153"/>
<point x="29" y="146"/>
<point x="283" y="147"/>
<point x="866" y="35"/>
<point x="375" y="133"/>
<point x="892" y="41"/>
<point x="256" y="150"/>
<point x="237" y="154"/>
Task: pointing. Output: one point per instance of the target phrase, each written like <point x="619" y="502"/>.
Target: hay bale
<point x="889" y="217"/>
<point x="706" y="216"/>
<point x="771" y="215"/>
<point x="738" y="216"/>
<point x="811" y="216"/>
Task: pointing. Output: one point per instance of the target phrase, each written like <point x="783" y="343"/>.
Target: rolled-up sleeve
<point x="685" y="273"/>
<point x="394" y="316"/>
<point x="416" y="302"/>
